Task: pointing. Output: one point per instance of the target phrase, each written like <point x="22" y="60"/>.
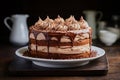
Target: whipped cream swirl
<point x="83" y="23"/>
<point x="72" y="23"/>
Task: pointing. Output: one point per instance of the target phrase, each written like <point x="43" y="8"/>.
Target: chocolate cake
<point x="60" y="38"/>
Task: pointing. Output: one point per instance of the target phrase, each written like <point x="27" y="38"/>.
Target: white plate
<point x="60" y="63"/>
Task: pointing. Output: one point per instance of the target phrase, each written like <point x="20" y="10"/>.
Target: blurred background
<point x="65" y="8"/>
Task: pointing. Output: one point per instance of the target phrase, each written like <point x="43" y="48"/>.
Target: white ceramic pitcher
<point x="90" y="16"/>
<point x="19" y="29"/>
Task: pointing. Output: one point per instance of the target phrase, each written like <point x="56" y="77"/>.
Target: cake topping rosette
<point x="60" y="24"/>
<point x="83" y="23"/>
<point x="72" y="23"/>
<point x="61" y="27"/>
<point x="48" y="24"/>
<point x="39" y="24"/>
<point x="59" y="20"/>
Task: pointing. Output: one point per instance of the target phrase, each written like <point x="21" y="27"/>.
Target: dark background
<point x="52" y="8"/>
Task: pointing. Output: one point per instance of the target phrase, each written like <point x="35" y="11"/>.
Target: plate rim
<point x="20" y="54"/>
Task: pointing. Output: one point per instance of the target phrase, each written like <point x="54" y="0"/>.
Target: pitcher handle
<point x="6" y="23"/>
<point x="100" y="15"/>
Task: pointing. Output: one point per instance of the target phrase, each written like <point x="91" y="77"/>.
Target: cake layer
<point x="56" y="43"/>
<point x="42" y="35"/>
<point x="61" y="50"/>
<point x="59" y="56"/>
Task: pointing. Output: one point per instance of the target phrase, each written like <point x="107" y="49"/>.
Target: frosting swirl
<point x="72" y="23"/>
<point x="59" y="20"/>
<point x="39" y="24"/>
<point x="83" y="23"/>
<point x="61" y="27"/>
<point x="48" y="24"/>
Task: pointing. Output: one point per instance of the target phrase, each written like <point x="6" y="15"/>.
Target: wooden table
<point x="113" y="54"/>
